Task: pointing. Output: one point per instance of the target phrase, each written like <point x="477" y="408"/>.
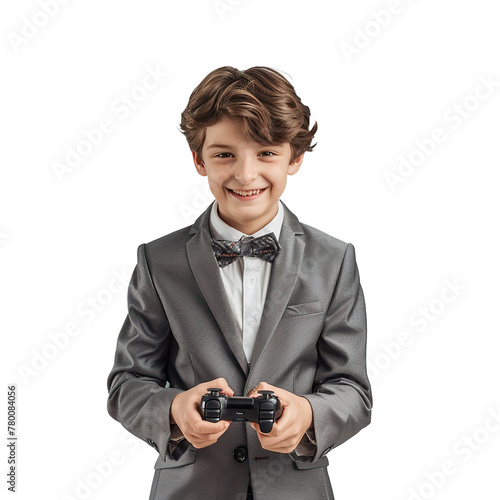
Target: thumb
<point x="263" y="386"/>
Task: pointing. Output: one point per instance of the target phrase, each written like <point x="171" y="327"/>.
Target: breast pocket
<point x="304" y="309"/>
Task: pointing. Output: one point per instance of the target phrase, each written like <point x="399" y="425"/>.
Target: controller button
<point x="266" y="405"/>
<point x="212" y="414"/>
<point x="212" y="403"/>
<point x="266" y="425"/>
<point x="266" y="415"/>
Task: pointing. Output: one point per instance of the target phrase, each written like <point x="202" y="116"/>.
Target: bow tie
<point x="265" y="247"/>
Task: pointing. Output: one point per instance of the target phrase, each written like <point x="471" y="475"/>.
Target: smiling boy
<point x="205" y="311"/>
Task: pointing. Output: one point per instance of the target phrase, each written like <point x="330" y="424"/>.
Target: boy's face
<point x="246" y="178"/>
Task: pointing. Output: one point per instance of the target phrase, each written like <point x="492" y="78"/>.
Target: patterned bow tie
<point x="265" y="247"/>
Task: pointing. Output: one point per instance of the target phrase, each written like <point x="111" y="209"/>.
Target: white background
<point x="63" y="239"/>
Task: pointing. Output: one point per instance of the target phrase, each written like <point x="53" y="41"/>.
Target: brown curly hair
<point x="263" y="98"/>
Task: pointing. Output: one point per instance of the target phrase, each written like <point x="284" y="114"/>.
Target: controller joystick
<point x="214" y="391"/>
<point x="266" y="394"/>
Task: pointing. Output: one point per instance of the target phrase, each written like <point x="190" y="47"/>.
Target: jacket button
<point x="240" y="454"/>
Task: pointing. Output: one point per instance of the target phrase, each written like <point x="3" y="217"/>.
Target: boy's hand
<point x="289" y="429"/>
<point x="184" y="412"/>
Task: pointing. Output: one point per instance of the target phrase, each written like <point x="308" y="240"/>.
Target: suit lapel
<point x="207" y="275"/>
<point x="284" y="274"/>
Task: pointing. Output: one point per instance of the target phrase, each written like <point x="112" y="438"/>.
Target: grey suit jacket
<point x="180" y="332"/>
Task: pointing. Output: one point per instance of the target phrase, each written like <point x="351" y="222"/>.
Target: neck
<point x="249" y="226"/>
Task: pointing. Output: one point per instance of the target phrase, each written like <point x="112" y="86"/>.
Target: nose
<point x="245" y="171"/>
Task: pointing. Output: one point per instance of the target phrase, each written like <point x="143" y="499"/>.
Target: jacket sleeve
<point x="342" y="399"/>
<point x="138" y="396"/>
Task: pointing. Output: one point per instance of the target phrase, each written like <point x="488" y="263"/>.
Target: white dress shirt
<point x="246" y="280"/>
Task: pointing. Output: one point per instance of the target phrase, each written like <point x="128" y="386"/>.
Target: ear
<point x="293" y="168"/>
<point x="198" y="163"/>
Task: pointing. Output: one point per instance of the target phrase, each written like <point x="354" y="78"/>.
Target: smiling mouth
<point x="247" y="193"/>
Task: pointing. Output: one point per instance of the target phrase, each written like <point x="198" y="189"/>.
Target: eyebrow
<point x="220" y="146"/>
<point x="226" y="146"/>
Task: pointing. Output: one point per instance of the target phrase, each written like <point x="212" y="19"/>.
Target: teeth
<point x="246" y="193"/>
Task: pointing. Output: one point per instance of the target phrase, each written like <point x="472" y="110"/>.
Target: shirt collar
<point x="221" y="230"/>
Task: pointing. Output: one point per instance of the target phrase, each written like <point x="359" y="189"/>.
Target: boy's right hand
<point x="184" y="412"/>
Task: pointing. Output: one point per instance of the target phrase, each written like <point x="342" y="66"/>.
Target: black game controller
<point x="264" y="409"/>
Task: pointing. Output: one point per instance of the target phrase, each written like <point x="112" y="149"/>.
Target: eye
<point x="222" y="155"/>
<point x="268" y="153"/>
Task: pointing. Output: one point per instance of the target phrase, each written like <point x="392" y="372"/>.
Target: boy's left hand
<point x="289" y="429"/>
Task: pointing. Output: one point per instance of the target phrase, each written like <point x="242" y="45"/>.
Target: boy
<point x="245" y="299"/>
